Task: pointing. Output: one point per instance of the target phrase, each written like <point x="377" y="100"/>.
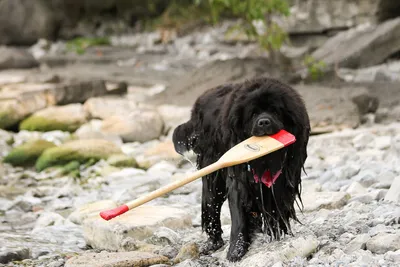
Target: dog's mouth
<point x="267" y="169"/>
<point x="267" y="178"/>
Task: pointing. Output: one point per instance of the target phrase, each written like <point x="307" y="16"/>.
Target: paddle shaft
<point x="107" y="215"/>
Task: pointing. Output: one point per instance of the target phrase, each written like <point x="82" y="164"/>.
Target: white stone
<point x="383" y="142"/>
<point x="363" y="140"/>
<point x="356" y="188"/>
<point x="394" y="191"/>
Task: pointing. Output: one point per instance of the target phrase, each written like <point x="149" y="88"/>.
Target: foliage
<point x="26" y="154"/>
<point x="251" y="13"/>
<point x="315" y="67"/>
<point x="80" y="44"/>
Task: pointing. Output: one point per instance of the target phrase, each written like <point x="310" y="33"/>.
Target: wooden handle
<point x="109" y="214"/>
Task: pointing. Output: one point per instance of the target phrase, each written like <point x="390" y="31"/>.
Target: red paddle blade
<point x="109" y="214"/>
<point x="284" y="137"/>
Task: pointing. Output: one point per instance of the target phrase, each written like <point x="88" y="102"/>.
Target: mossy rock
<point x="27" y="154"/>
<point x="82" y="151"/>
<point x="7" y="120"/>
<point x="42" y="124"/>
<point x="122" y="161"/>
<point x="66" y="118"/>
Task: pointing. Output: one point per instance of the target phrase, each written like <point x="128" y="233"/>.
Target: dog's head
<point x="264" y="107"/>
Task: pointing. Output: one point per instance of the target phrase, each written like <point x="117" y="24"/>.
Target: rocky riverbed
<point x="350" y="193"/>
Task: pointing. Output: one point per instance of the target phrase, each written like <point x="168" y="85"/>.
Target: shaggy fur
<point x="221" y="118"/>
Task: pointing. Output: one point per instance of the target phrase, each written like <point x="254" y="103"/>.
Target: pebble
<point x="383" y="243"/>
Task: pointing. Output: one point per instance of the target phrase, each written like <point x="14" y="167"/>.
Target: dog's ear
<point x="184" y="138"/>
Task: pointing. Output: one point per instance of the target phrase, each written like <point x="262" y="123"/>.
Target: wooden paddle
<point x="249" y="149"/>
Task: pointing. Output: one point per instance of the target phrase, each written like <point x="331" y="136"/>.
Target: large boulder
<point x="65" y="118"/>
<point x="104" y="107"/>
<point x="123" y="233"/>
<point x="140" y="125"/>
<point x="23" y="22"/>
<point x="361" y="46"/>
<point x="27" y="153"/>
<point x="184" y="91"/>
<point x="81" y="151"/>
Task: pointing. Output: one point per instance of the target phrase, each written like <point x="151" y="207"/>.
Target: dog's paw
<point x="211" y="245"/>
<point x="237" y="249"/>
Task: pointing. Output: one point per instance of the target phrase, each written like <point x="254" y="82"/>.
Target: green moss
<point x="122" y="161"/>
<point x="72" y="169"/>
<point x="80" y="44"/>
<point x="41" y="124"/>
<point x="81" y="151"/>
<point x="27" y="153"/>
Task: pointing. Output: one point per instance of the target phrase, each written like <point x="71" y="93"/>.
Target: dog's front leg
<point x="214" y="195"/>
<point x="239" y="241"/>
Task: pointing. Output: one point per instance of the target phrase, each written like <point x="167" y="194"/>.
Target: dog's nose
<point x="264" y="122"/>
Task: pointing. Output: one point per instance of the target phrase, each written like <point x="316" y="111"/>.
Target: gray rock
<point x="366" y="178"/>
<point x="361" y="47"/>
<point x="40" y="22"/>
<point x="359" y="242"/>
<point x="394" y="192"/>
<point x="363" y="140"/>
<point x="187" y="251"/>
<point x="365" y="103"/>
<point x="283" y="251"/>
<point x="140" y="125"/>
<point x="165" y="236"/>
<point x="326" y="200"/>
<point x="14" y="254"/>
<point x="14" y="58"/>
<point x="366" y="198"/>
<point x="78" y="91"/>
<point x="135" y="225"/>
<point x="356" y="188"/>
<point x="393" y="256"/>
<point x="383" y="243"/>
<point x="116" y="259"/>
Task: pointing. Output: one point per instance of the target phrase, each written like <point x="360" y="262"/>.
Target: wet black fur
<point x="221" y="118"/>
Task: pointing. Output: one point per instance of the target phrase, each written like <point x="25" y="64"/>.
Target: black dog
<point x="262" y="193"/>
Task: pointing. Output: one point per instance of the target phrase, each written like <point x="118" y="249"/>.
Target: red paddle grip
<point x="284" y="137"/>
<point x="109" y="214"/>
